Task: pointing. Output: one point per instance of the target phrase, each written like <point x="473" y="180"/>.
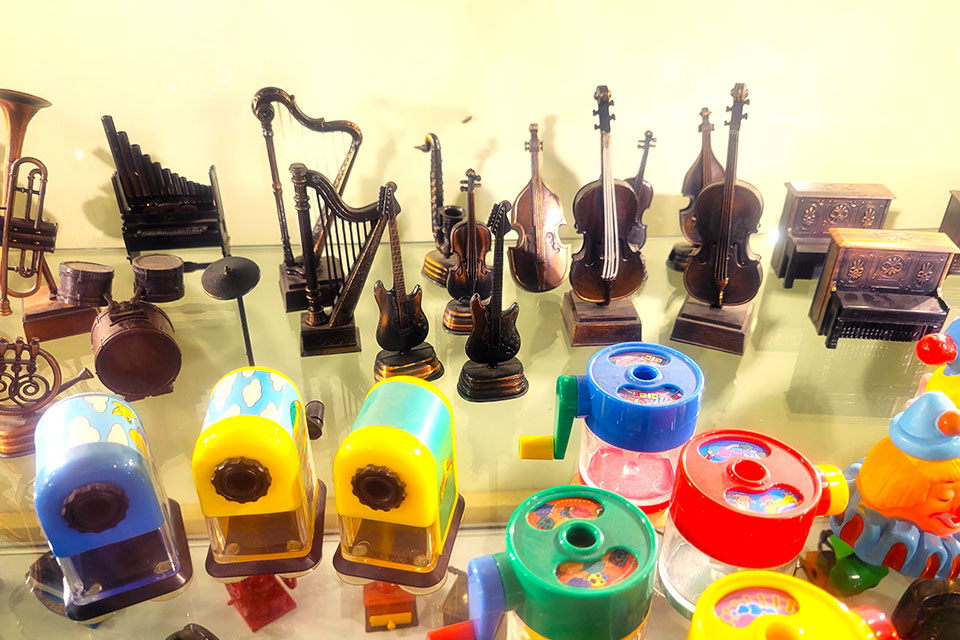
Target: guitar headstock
<point x="604" y="101"/>
<point x="705" y="125"/>
<point x="472" y="181"/>
<point x="740" y="100"/>
<point x="534" y="142"/>
<point x="647" y="142"/>
<point x="499" y="221"/>
<point x="387" y="203"/>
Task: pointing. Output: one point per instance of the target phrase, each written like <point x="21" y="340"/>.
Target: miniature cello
<point x="723" y="269"/>
<point x="644" y="191"/>
<point x="606" y="268"/>
<point x="539" y="262"/>
<point x="704" y="170"/>
<point x="494" y="338"/>
<point x="402" y="324"/>
<point x="470" y="242"/>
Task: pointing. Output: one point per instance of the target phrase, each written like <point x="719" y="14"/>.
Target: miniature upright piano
<point x="882" y="285"/>
<point x="950" y="225"/>
<point x="810" y="211"/>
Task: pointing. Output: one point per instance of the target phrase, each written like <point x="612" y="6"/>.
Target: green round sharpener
<point x="579" y="564"/>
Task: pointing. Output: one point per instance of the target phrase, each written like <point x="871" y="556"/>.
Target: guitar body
<point x="587" y="269"/>
<point x="460" y="284"/>
<point x="481" y="345"/>
<point x="390" y="334"/>
<point x="530" y="272"/>
<point x="743" y="266"/>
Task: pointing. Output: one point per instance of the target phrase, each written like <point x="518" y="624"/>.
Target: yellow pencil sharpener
<point x="254" y="474"/>
<point x="395" y="479"/>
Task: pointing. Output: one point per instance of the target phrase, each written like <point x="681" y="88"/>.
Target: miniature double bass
<point x="402" y="324"/>
<point x="539" y="262"/>
<point x="494" y="338"/>
<point x="704" y="170"/>
<point x="723" y="269"/>
<point x="470" y="242"/>
<point x="643" y="189"/>
<point x="607" y="267"/>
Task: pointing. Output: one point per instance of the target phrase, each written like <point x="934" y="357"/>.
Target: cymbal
<point x="230" y="278"/>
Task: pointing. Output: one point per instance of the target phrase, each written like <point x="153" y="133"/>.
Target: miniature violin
<point x="402" y="324"/>
<point x="494" y="338"/>
<point x="704" y="170"/>
<point x="539" y="261"/>
<point x="722" y="269"/>
<point x="644" y="191"/>
<point x="470" y="242"/>
<point x="606" y="268"/>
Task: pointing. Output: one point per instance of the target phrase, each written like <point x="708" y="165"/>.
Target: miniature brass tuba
<point x="29" y="233"/>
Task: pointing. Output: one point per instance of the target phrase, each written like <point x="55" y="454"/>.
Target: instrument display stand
<point x="484" y="383"/>
<point x="457" y="318"/>
<point x="293" y="286"/>
<point x="325" y="340"/>
<point x="723" y="329"/>
<point x="679" y="256"/>
<point x="46" y="318"/>
<point x="420" y="362"/>
<point x="436" y="266"/>
<point x="590" y="324"/>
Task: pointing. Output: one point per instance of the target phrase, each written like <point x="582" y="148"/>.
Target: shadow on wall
<point x="101" y="211"/>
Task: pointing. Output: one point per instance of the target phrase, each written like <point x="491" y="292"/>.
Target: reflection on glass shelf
<point x="830" y="404"/>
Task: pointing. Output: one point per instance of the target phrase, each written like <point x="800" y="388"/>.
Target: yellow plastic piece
<point x="536" y="447"/>
<point x="950" y="385"/>
<point x="252" y="437"/>
<point x="818" y="614"/>
<point x="837" y="487"/>
<point x="399" y="451"/>
<point x="391" y="620"/>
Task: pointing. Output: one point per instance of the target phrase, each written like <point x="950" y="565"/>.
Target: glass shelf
<point x="833" y="405"/>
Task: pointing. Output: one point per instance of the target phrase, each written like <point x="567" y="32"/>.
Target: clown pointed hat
<point x="929" y="429"/>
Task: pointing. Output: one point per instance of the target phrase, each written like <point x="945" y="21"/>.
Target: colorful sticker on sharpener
<point x="772" y="501"/>
<point x="628" y="358"/>
<point x="611" y="568"/>
<point x="720" y="450"/>
<point x="740" y="608"/>
<point x="551" y="514"/>
<point x="656" y="396"/>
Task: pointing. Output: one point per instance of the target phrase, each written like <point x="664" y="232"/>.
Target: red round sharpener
<point x="742" y="500"/>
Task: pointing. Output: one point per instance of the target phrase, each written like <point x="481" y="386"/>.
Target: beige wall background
<point x="840" y="92"/>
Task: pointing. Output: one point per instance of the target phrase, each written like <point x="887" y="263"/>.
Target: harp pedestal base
<point x="723" y="329"/>
<point x="482" y="383"/>
<point x="590" y="324"/>
<point x="293" y="286"/>
<point x="46" y="318"/>
<point x="16" y="435"/>
<point x="436" y="266"/>
<point x="419" y="362"/>
<point x="679" y="256"/>
<point x="457" y="318"/>
<point x="324" y="339"/>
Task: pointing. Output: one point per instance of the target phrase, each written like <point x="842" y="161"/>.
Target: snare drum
<point x="134" y="350"/>
<point x="85" y="284"/>
<point x="158" y="277"/>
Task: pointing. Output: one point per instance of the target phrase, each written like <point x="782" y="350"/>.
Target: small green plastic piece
<point x="851" y="575"/>
<point x="564" y="413"/>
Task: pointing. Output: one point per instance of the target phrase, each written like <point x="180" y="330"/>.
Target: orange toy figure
<point x="904" y="508"/>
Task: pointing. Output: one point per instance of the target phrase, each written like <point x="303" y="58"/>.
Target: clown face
<point x="939" y="513"/>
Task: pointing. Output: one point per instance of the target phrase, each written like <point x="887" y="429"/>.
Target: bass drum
<point x="134" y="350"/>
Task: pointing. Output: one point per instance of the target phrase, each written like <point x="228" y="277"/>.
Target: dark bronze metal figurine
<point x="810" y="211"/>
<point x="350" y="236"/>
<point x="950" y="225"/>
<point x="403" y="327"/>
<point x="493" y="371"/>
<point x="608" y="268"/>
<point x="31" y="379"/>
<point x="231" y="278"/>
<point x="723" y="275"/>
<point x="704" y="170"/>
<point x="438" y="262"/>
<point x="539" y="261"/>
<point x="882" y="285"/>
<point x="470" y="242"/>
<point x="265" y="107"/>
<point x="644" y="191"/>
